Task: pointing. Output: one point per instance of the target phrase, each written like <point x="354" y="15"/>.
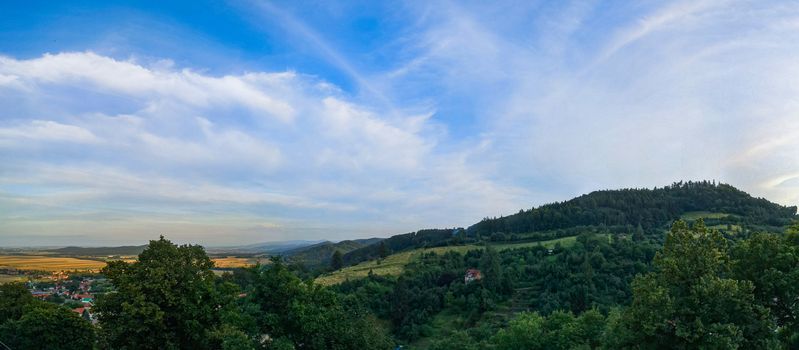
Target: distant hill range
<point x="268" y="248"/>
<point x="321" y="253"/>
<point x="616" y="211"/>
<point x="99" y="251"/>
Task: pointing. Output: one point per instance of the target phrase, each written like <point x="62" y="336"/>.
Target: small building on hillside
<point x="472" y="275"/>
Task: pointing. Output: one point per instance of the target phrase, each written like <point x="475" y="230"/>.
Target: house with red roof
<point x="472" y="275"/>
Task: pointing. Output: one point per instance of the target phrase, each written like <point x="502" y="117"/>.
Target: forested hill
<point x="650" y="208"/>
<point x="613" y="211"/>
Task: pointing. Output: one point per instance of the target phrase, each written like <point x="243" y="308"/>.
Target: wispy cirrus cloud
<point x="615" y="96"/>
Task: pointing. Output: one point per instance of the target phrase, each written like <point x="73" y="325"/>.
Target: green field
<point x="394" y="264"/>
<point x="390" y="266"/>
<point x="695" y="215"/>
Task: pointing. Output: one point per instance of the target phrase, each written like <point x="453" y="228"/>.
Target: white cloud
<point x="44" y="130"/>
<point x="158" y="140"/>
<point x="129" y="78"/>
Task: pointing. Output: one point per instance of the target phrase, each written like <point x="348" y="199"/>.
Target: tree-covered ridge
<point x="648" y="208"/>
<point x="320" y="254"/>
<point x="616" y="211"/>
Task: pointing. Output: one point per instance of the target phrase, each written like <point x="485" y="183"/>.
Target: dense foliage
<point x="701" y="290"/>
<point x="297" y="314"/>
<point x="170" y="299"/>
<point x="27" y="323"/>
<point x="692" y="300"/>
<point x="165" y="300"/>
<point x="593" y="273"/>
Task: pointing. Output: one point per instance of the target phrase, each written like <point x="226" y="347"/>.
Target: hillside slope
<point x="394" y="264"/>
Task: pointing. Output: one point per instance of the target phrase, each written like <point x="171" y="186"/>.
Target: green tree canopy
<point x="27" y="323"/>
<point x="308" y="316"/>
<point x="336" y="261"/>
<point x="165" y="300"/>
<point x="559" y="330"/>
<point x="14" y="297"/>
<point x="690" y="302"/>
<point x="771" y="262"/>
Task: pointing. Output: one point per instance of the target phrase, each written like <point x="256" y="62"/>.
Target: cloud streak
<point x="642" y="97"/>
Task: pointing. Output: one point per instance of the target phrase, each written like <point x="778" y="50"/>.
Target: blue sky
<point x="247" y="121"/>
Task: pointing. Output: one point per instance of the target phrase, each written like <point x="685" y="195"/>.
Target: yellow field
<point x="394" y="264"/>
<point x="53" y="263"/>
<point x="233" y="262"/>
<point x="11" y="278"/>
<point x="48" y="263"/>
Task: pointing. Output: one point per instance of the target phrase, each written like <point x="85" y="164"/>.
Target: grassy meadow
<point x="696" y="215"/>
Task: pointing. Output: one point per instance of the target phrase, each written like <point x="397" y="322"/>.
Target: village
<point x="75" y="291"/>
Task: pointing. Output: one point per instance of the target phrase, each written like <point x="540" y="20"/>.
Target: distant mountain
<point x="264" y="248"/>
<point x="613" y="211"/>
<point x="250" y="249"/>
<point x="99" y="251"/>
<point x="319" y="254"/>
